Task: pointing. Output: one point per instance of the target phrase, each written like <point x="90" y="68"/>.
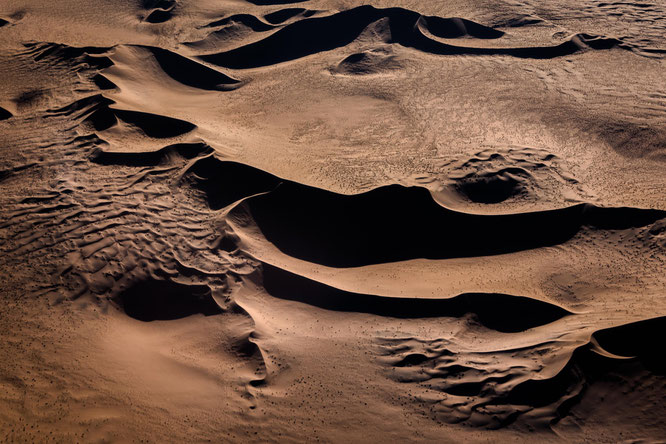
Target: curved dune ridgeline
<point x="288" y="221"/>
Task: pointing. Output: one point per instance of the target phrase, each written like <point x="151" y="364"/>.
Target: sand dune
<point x="368" y="62"/>
<point x="283" y="15"/>
<point x="4" y="114"/>
<point x="97" y="110"/>
<point x="499" y="312"/>
<point x="633" y="341"/>
<point x="504" y="395"/>
<point x="163" y="300"/>
<point x="189" y="72"/>
<point x="295" y="221"/>
<point x="403" y="27"/>
<point x="396" y="223"/>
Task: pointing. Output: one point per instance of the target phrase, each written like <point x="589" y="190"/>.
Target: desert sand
<point x="332" y="221"/>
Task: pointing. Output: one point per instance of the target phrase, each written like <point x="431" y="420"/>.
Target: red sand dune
<point x="300" y="221"/>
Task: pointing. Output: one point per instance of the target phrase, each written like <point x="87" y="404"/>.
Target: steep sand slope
<point x="282" y="221"/>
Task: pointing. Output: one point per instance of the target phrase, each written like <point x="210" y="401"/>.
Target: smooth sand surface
<point x="332" y="221"/>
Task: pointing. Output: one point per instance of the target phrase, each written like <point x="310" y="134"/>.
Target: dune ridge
<point x="160" y="10"/>
<point x="504" y="313"/>
<point x="397" y="223"/>
<point x="282" y="220"/>
<point x="97" y="110"/>
<point x="191" y="73"/>
<point x="406" y="28"/>
<point x="81" y="57"/>
<point x="499" y="395"/>
<point x="283" y="15"/>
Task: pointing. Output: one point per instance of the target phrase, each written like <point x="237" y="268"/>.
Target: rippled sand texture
<point x="330" y="220"/>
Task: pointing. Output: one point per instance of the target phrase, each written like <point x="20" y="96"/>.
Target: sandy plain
<point x="332" y="220"/>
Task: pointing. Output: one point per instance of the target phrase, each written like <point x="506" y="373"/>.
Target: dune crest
<point x="288" y="221"/>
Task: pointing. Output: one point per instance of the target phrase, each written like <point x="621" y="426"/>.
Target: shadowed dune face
<point x="76" y="57"/>
<point x="160" y="10"/>
<point x="152" y="125"/>
<point x="247" y="20"/>
<point x="635" y="341"/>
<point x="97" y="110"/>
<point x="245" y="220"/>
<point x="499" y="312"/>
<point x="227" y="182"/>
<point x="396" y="223"/>
<point x="164" y="156"/>
<point x="286" y="14"/>
<point x="191" y="73"/>
<point x="159" y="16"/>
<point x="452" y="28"/>
<point x="4" y="114"/>
<point x="289" y="43"/>
<point x="493" y="187"/>
<point x="163" y="300"/>
<point x="508" y="176"/>
<point x="405" y="27"/>
<point x="489" y="391"/>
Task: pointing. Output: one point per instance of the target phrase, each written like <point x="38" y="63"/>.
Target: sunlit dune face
<point x="295" y="221"/>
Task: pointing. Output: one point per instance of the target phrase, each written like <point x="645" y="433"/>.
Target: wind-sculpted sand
<point x="339" y="221"/>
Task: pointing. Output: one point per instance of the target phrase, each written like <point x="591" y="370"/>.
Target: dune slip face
<point x="295" y="221"/>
